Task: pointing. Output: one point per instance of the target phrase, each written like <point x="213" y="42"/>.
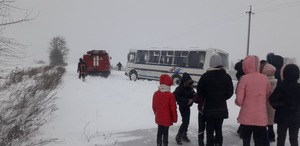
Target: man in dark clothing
<point x="184" y="97"/>
<point x="81" y="69"/>
<point x="119" y="66"/>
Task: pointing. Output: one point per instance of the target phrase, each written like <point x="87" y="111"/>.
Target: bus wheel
<point x="133" y="76"/>
<point x="176" y="79"/>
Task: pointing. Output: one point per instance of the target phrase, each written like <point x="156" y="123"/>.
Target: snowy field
<point x="115" y="111"/>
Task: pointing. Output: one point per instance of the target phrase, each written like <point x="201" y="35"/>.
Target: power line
<point x="232" y="17"/>
<point x="277" y="7"/>
<point x="287" y="5"/>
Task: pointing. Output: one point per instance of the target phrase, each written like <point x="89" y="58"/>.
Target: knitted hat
<point x="215" y="60"/>
<point x="166" y="80"/>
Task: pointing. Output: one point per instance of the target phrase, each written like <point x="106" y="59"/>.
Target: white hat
<point x="215" y="60"/>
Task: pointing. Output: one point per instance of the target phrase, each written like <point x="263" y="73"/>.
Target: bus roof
<point x="180" y="49"/>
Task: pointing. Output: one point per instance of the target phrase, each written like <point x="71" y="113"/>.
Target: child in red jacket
<point x="164" y="108"/>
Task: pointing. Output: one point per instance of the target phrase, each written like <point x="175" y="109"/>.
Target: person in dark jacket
<point x="277" y="61"/>
<point x="81" y="69"/>
<point x="216" y="87"/>
<point x="239" y="73"/>
<point x="239" y="69"/>
<point x="119" y="66"/>
<point x="285" y="99"/>
<point x="201" y="120"/>
<point x="184" y="97"/>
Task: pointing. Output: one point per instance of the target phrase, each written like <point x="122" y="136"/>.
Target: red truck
<point x="98" y="62"/>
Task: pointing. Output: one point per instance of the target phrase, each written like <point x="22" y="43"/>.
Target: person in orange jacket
<point x="165" y="109"/>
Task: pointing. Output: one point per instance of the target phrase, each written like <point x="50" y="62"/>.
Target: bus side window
<point x="142" y="57"/>
<point x="131" y="58"/>
<point x="169" y="60"/>
<point x="166" y="58"/>
<point x="163" y="58"/>
<point x="153" y="57"/>
<point x="196" y="59"/>
<point x="202" y="60"/>
<point x="181" y="58"/>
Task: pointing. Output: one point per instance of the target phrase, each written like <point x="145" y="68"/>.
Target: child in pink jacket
<point x="252" y="95"/>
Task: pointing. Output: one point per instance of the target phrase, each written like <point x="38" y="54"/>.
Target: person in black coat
<point x="216" y="87"/>
<point x="239" y="73"/>
<point x="81" y="69"/>
<point x="277" y="61"/>
<point x="239" y="69"/>
<point x="184" y="97"/>
<point x="285" y="99"/>
<point x="119" y="66"/>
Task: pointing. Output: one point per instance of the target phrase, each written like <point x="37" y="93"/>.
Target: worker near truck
<point x="81" y="69"/>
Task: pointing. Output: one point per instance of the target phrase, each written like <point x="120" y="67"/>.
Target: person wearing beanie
<point x="184" y="97"/>
<point x="215" y="60"/>
<point x="252" y="94"/>
<point x="164" y="108"/>
<point x="285" y="99"/>
<point x="215" y="87"/>
<point x="269" y="70"/>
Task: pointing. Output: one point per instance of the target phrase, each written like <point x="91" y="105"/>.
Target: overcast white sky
<point x="118" y="25"/>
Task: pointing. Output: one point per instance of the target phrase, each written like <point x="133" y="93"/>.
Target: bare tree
<point x="58" y="51"/>
<point x="27" y="99"/>
<point x="10" y="48"/>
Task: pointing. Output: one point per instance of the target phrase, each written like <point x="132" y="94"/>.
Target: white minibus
<point x="151" y="63"/>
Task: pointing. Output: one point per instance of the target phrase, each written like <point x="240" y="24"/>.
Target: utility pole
<point x="250" y="13"/>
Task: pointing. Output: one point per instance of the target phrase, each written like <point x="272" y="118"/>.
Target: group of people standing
<point x="267" y="92"/>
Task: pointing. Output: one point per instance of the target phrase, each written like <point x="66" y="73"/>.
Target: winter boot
<point x="185" y="138"/>
<point x="178" y="139"/>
